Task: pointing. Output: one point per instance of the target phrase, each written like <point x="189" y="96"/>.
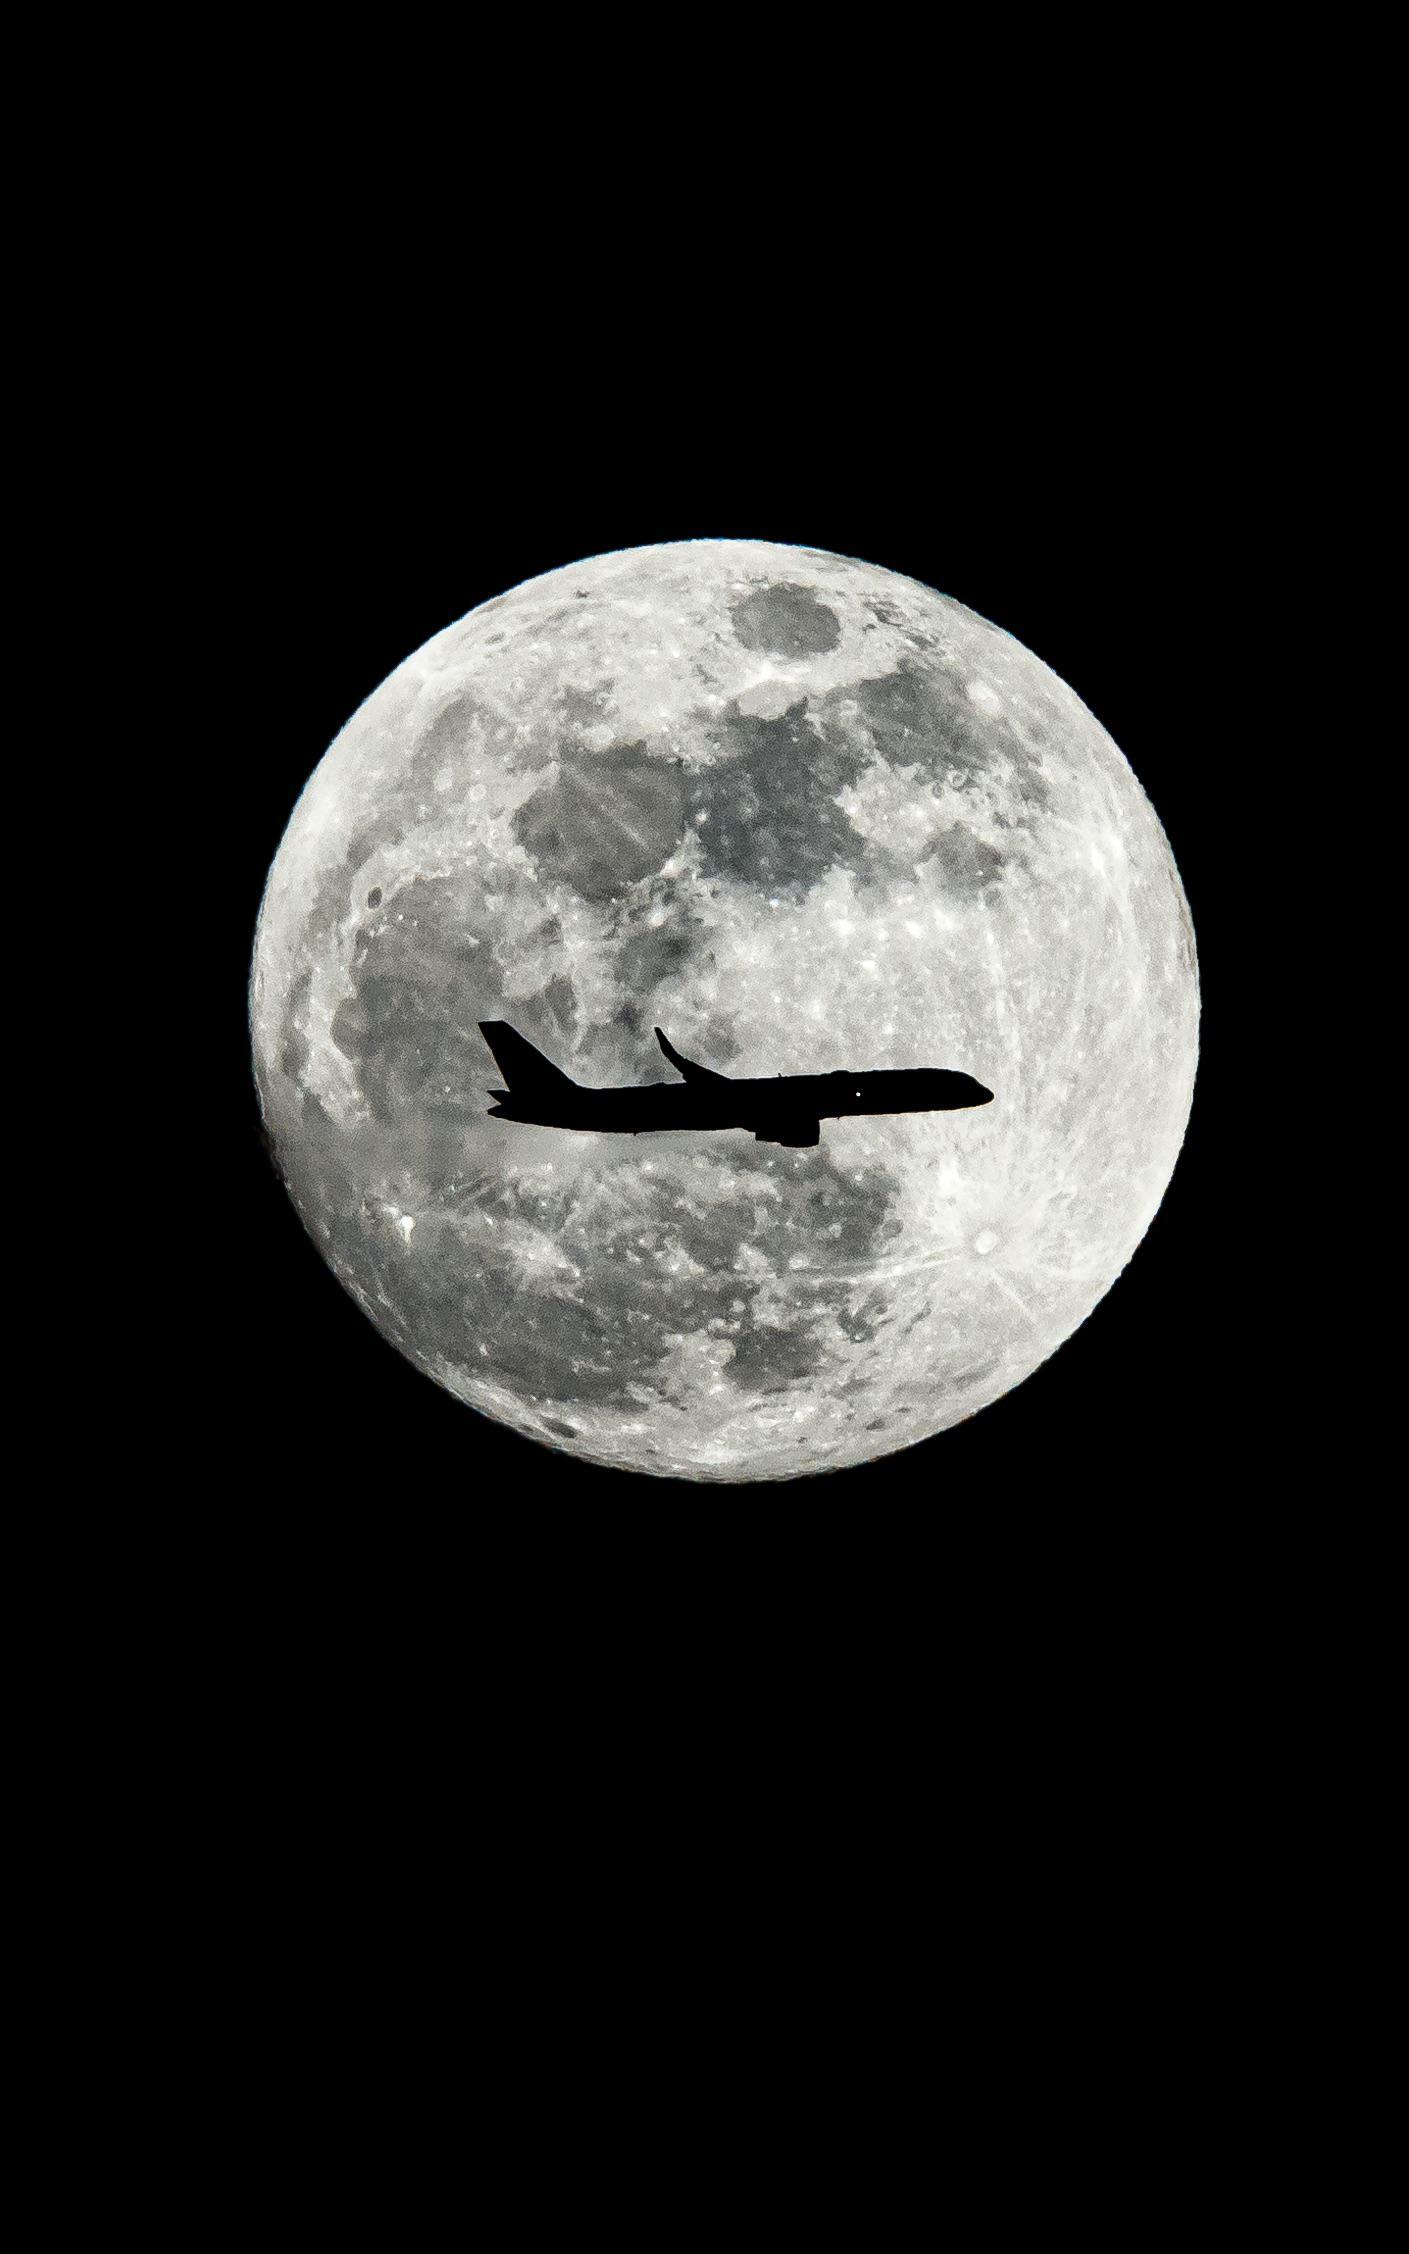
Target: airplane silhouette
<point x="787" y="1110"/>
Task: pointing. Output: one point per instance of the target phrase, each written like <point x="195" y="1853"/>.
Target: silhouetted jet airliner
<point x="785" y="1110"/>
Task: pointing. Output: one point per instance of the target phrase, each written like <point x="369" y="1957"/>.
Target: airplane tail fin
<point x="525" y="1070"/>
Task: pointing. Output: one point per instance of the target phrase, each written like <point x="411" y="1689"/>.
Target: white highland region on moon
<point x="807" y="815"/>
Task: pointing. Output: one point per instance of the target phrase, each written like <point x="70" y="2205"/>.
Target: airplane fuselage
<point x="660" y="1106"/>
<point x="788" y="1109"/>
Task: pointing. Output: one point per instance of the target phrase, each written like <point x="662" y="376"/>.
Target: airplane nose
<point x="981" y="1095"/>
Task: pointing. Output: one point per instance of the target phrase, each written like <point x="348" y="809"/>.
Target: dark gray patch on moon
<point x="766" y="814"/>
<point x="786" y="620"/>
<point x="769" y="1360"/>
<point x="968" y="864"/>
<point x="446" y="735"/>
<point x="831" y="1219"/>
<point x="552" y="1350"/>
<point x="583" y="706"/>
<point x="444" y="746"/>
<point x="605" y="819"/>
<point x="420" y="984"/>
<point x="920" y="715"/>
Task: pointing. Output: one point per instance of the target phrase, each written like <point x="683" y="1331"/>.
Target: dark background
<point x="1017" y="1709"/>
<point x="1088" y="535"/>
<point x="1025" y="1751"/>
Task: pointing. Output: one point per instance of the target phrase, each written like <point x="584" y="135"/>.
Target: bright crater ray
<point x="806" y="815"/>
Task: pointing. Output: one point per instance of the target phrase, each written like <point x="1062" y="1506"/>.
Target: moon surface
<point x="807" y="815"/>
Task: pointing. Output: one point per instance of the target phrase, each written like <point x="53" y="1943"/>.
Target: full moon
<point x="807" y="816"/>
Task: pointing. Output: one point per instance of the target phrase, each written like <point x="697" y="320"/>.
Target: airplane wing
<point x="695" y="1072"/>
